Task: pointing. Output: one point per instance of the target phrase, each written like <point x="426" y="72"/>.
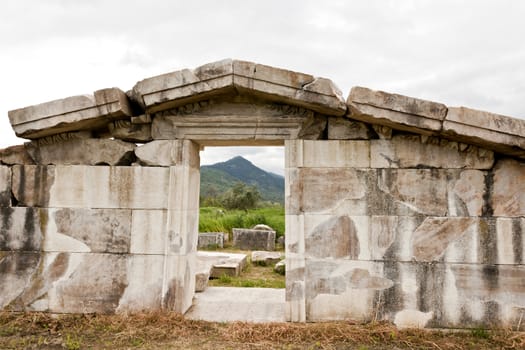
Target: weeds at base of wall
<point x="169" y="330"/>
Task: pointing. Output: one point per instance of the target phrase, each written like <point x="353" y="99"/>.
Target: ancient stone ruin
<point x="397" y="208"/>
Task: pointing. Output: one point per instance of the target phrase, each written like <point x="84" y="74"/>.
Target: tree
<point x="241" y="196"/>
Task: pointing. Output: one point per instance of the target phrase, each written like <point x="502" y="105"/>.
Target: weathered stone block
<point x="410" y="192"/>
<point x="242" y="119"/>
<point x="396" y="111"/>
<point x="336" y="154"/>
<point x="148" y="232"/>
<point x="74" y="186"/>
<point x="225" y="77"/>
<point x="74" y="113"/>
<point x="87" y="230"/>
<point x="345" y="129"/>
<point x="201" y="280"/>
<point x="180" y="282"/>
<point x="508" y="188"/>
<point x="263" y="257"/>
<point x="5" y="186"/>
<point x="466" y="193"/>
<point x="31" y="183"/>
<point x="15" y="155"/>
<point x="20" y="229"/>
<point x="211" y="240"/>
<point x="17" y="270"/>
<point x="159" y="153"/>
<point x="131" y="132"/>
<point x="145" y="274"/>
<point x="328" y="190"/>
<point x="249" y="239"/>
<point x="83" y="152"/>
<point x="500" y="133"/>
<point x="407" y="151"/>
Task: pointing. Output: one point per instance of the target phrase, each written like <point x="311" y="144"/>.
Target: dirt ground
<point x="172" y="331"/>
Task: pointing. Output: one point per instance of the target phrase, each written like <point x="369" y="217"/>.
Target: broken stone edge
<point x="496" y="132"/>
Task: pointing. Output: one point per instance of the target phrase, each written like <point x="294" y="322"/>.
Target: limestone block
<point x="295" y="307"/>
<point x="410" y="192"/>
<point x="79" y="186"/>
<point x="327" y="190"/>
<point x="395" y="111"/>
<point x="131" y="132"/>
<point x="182" y="228"/>
<point x="318" y="94"/>
<point x="334" y="237"/>
<point x="179" y="282"/>
<point x="509" y="240"/>
<point x="201" y="280"/>
<point x="336" y="154"/>
<point x="210" y="240"/>
<point x="5" y="186"/>
<point x="159" y="153"/>
<point x="280" y="267"/>
<point x="294" y="228"/>
<point x="407" y="151"/>
<point x="144" y="284"/>
<point x="141" y="119"/>
<point x="508" y="189"/>
<point x="20" y="229"/>
<point x="262" y="257"/>
<point x="313" y="128"/>
<point x="87" y="112"/>
<point x="15" y="155"/>
<point x="466" y="193"/>
<point x="390" y="237"/>
<point x="83" y="152"/>
<point x="343" y="289"/>
<point x="31" y="183"/>
<point x="17" y="270"/>
<point x="500" y="133"/>
<point x="164" y="91"/>
<point x="87" y="230"/>
<point x="219" y="263"/>
<point x="148" y="232"/>
<point x="345" y="129"/>
<point x="250" y="239"/>
<point x="229" y="76"/>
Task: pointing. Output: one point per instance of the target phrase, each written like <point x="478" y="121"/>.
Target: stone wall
<point x="415" y="230"/>
<point x="86" y="238"/>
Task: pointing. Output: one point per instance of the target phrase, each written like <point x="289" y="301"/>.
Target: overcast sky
<point x="469" y="53"/>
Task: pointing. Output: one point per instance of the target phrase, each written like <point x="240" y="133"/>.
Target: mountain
<point x="218" y="178"/>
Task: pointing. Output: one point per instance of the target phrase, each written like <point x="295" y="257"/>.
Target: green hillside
<point x="218" y="178"/>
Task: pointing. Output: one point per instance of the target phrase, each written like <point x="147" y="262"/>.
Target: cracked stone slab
<point x="84" y="112"/>
<point x="396" y="111"/>
<point x="229" y="77"/>
<point x="498" y="132"/>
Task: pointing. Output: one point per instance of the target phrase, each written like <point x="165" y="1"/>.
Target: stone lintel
<point x="70" y="114"/>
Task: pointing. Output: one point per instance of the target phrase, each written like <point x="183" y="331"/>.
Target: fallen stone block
<point x="86" y="112"/>
<point x="249" y="239"/>
<point x="261" y="257"/>
<point x="280" y="267"/>
<point x="211" y="240"/>
<point x="219" y="263"/>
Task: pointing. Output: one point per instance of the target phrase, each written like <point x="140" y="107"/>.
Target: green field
<point x="215" y="219"/>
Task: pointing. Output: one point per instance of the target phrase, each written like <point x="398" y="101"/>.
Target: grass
<point x="160" y="330"/>
<point x="214" y="219"/>
<point x="254" y="276"/>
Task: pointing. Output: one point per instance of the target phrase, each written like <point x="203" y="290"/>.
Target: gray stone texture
<point x="15" y="155"/>
<point x="250" y="239"/>
<point x="5" y="186"/>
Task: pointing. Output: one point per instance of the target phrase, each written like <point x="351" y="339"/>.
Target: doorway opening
<point x="240" y="259"/>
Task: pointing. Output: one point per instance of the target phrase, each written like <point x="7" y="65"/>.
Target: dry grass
<point x="172" y="331"/>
